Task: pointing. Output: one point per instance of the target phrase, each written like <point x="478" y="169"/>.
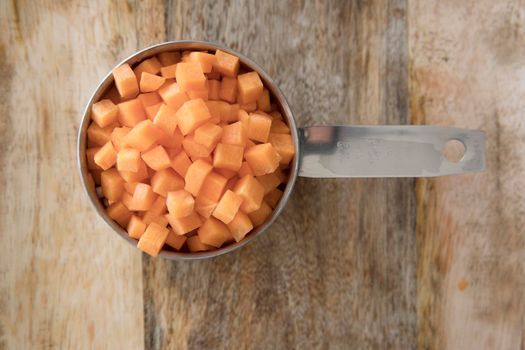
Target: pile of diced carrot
<point x="187" y="151"/>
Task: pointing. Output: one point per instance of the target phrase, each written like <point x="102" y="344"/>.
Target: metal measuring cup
<point x="321" y="151"/>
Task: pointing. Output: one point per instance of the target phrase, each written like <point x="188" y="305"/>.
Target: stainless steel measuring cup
<point x="321" y="151"/>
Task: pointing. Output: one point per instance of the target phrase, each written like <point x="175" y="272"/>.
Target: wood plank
<point x="67" y="280"/>
<point x="338" y="267"/>
<point x="467" y="70"/>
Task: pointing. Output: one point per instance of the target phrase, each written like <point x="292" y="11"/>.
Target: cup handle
<point x="387" y="151"/>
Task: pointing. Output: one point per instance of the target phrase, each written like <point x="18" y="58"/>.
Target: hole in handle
<point x="454" y="150"/>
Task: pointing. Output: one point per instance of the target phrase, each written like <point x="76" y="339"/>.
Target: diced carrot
<point x="99" y="136"/>
<point x="206" y="60"/>
<point x="96" y="174"/>
<point x="204" y="206"/>
<point x="226" y="64"/>
<point x="251" y="192"/>
<point x="173" y="95"/>
<point x="151" y="65"/>
<point x="276" y="115"/>
<point x="245" y="170"/>
<point x="180" y="203"/>
<point x="263" y="158"/>
<point x="214" y="111"/>
<point x="130" y="187"/>
<point x="213" y="186"/>
<point x="157" y="158"/>
<point x="112" y="184"/>
<point x="250" y="87"/>
<point x="279" y="127"/>
<point x="229" y="113"/>
<point x="106" y="156"/>
<point x="208" y="135"/>
<point x="119" y="213"/>
<point x="191" y="115"/>
<point x="234" y="134"/>
<point x="104" y="113"/>
<point x="128" y="159"/>
<point x="190" y="76"/>
<point x="186" y="224"/>
<point x="213" y="232"/>
<point x="283" y="144"/>
<point x="166" y="180"/>
<point x="195" y="245"/>
<point x="112" y="94"/>
<point x="263" y="103"/>
<point x="240" y="226"/>
<point x="213" y="75"/>
<point x="151" y="111"/>
<point x="194" y="149"/>
<point x="202" y="94"/>
<point x="149" y="99"/>
<point x="213" y="89"/>
<point x="153" y="239"/>
<point x="270" y="181"/>
<point x="173" y="141"/>
<point x="175" y="241"/>
<point x="142" y="136"/>
<point x="228" y="89"/>
<point x="117" y="137"/>
<point x="136" y="227"/>
<point x="228" y="156"/>
<point x="207" y="159"/>
<point x="168" y="58"/>
<point x="259" y="216"/>
<point x="259" y="127"/>
<point x="131" y="112"/>
<point x="227" y="173"/>
<point x="227" y="206"/>
<point x="273" y="197"/>
<point x="249" y="107"/>
<point x="148" y="217"/>
<point x="180" y="163"/>
<point x="143" y="198"/>
<point x="169" y="72"/>
<point x="159" y="206"/>
<point x="196" y="175"/>
<point x="141" y="175"/>
<point x="150" y="82"/>
<point x="125" y="81"/>
<point x="165" y="119"/>
<point x="249" y="144"/>
<point x="90" y="158"/>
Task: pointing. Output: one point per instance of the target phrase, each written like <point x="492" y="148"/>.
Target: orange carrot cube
<point x="204" y="206"/>
<point x="273" y="197"/>
<point x="168" y="58"/>
<point x="190" y="76"/>
<point x="263" y="103"/>
<point x="173" y="95"/>
<point x="208" y="135"/>
<point x="153" y="239"/>
<point x="251" y="192"/>
<point x="165" y="119"/>
<point x="119" y="213"/>
<point x="228" y="156"/>
<point x="112" y="94"/>
<point x="99" y="136"/>
<point x="213" y="89"/>
<point x="131" y="112"/>
<point x="240" y="226"/>
<point x="143" y="198"/>
<point x="117" y="137"/>
<point x="276" y="115"/>
<point x="259" y="127"/>
<point x="229" y="113"/>
<point x="148" y="217"/>
<point x="263" y="158"/>
<point x="175" y="241"/>
<point x="214" y="233"/>
<point x="106" y="156"/>
<point x="149" y="99"/>
<point x="130" y="187"/>
<point x="228" y="89"/>
<point x="142" y="136"/>
<point x="96" y="174"/>
<point x="180" y="163"/>
<point x="213" y="186"/>
<point x="234" y="134"/>
<point x="104" y="113"/>
<point x="132" y="176"/>
<point x="191" y="115"/>
<point x="180" y="203"/>
<point x="259" y="216"/>
<point x="270" y="181"/>
<point x="195" y="245"/>
<point x="136" y="227"/>
<point x="213" y="75"/>
<point x="166" y="180"/>
<point x="112" y="184"/>
<point x="283" y="144"/>
<point x="226" y="64"/>
<point x="250" y="87"/>
<point x="90" y="158"/>
<point x="228" y="206"/>
<point x="194" y="149"/>
<point x="173" y="141"/>
<point x="249" y="107"/>
<point x="245" y="170"/>
<point x="150" y="82"/>
<point x="206" y="60"/>
<point x="157" y="158"/>
<point x="125" y="81"/>
<point x="186" y="224"/>
<point x="151" y="111"/>
<point x="151" y="65"/>
<point x="279" y="127"/>
<point x="196" y="175"/>
<point x="128" y="159"/>
<point x="169" y="72"/>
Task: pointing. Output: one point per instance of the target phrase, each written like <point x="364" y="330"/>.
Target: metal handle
<point x="387" y="151"/>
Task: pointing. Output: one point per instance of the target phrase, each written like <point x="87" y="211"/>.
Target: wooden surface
<point x="378" y="263"/>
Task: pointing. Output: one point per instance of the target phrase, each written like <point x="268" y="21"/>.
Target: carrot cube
<point x="106" y="156"/>
<point x="142" y="136"/>
<point x="251" y="192"/>
<point x="112" y="94"/>
<point x="136" y="227"/>
<point x="165" y="119"/>
<point x="180" y="163"/>
<point x="208" y="135"/>
<point x="125" y="81"/>
<point x="226" y="64"/>
<point x="206" y="60"/>
<point x="213" y="75"/>
<point x="171" y="142"/>
<point x="259" y="216"/>
<point x="99" y="136"/>
<point x="250" y="87"/>
<point x="169" y="72"/>
<point x="196" y="175"/>
<point x="130" y="187"/>
<point x="180" y="203"/>
<point x="149" y="99"/>
<point x="168" y="58"/>
<point x="283" y="144"/>
<point x="151" y="65"/>
<point x="194" y="149"/>
<point x="228" y="156"/>
<point x="229" y="113"/>
<point x="157" y="158"/>
<point x="249" y="107"/>
<point x="273" y="197"/>
<point x="234" y="134"/>
<point x="276" y="115"/>
<point x="150" y="217"/>
<point x="213" y="186"/>
<point x="131" y="112"/>
<point x="143" y="198"/>
<point x="90" y="158"/>
<point x="228" y="89"/>
<point x="190" y="76"/>
<point x="240" y="226"/>
<point x="186" y="224"/>
<point x="279" y="127"/>
<point x="245" y="170"/>
<point x="119" y="213"/>
<point x="228" y="206"/>
<point x="166" y="180"/>
<point x="213" y="89"/>
<point x="214" y="233"/>
<point x="173" y="95"/>
<point x="195" y="245"/>
<point x="117" y="137"/>
<point x="153" y="239"/>
<point x="204" y="206"/>
<point x="128" y="159"/>
<point x="263" y="103"/>
<point x="175" y="241"/>
<point x="263" y="158"/>
<point x="131" y="176"/>
<point x="270" y="181"/>
<point x="96" y="174"/>
<point x="151" y="111"/>
<point x="259" y="127"/>
<point x="112" y="184"/>
<point x="150" y="82"/>
<point x="191" y="115"/>
<point x="104" y="113"/>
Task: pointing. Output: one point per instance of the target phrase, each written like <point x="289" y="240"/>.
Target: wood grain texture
<point x="467" y="62"/>
<point x="338" y="267"/>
